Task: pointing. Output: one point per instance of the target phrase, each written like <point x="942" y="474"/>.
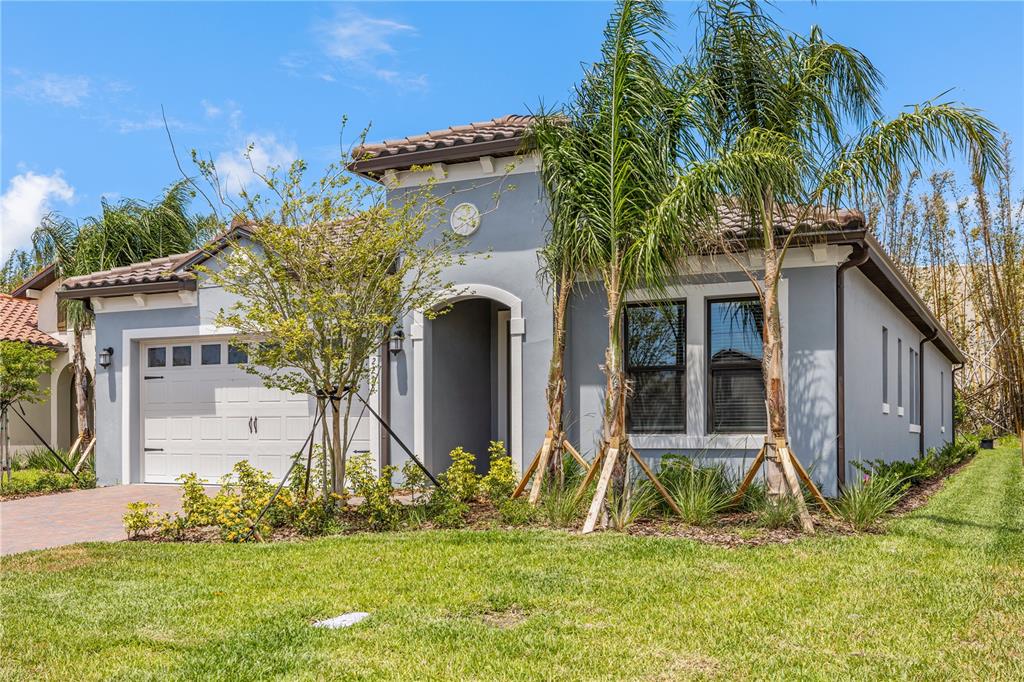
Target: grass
<point x="937" y="597"/>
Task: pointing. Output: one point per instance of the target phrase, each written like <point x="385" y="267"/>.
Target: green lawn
<point x="941" y="596"/>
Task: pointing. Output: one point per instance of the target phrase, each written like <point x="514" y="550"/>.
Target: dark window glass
<point x="237" y="355"/>
<point x="656" y="364"/>
<point x="210" y="354"/>
<point x="157" y="357"/>
<point x="181" y="356"/>
<point x="736" y="384"/>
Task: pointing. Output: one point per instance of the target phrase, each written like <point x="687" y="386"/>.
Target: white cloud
<point x="362" y="45"/>
<point x="210" y="109"/>
<point x="126" y="125"/>
<point x="355" y="37"/>
<point x="236" y="171"/>
<point x="22" y="206"/>
<point x="65" y="90"/>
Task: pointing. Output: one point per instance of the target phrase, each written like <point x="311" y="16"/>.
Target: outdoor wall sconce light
<point x="395" y="342"/>
<point x="105" y="355"/>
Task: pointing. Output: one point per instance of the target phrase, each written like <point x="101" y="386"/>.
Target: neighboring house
<point x="32" y="307"/>
<point x="869" y="369"/>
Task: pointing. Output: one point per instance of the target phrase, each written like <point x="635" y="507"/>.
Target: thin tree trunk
<point x="556" y="377"/>
<point x="337" y="457"/>
<point x="774" y="373"/>
<point x="616" y="386"/>
<point x="81" y="398"/>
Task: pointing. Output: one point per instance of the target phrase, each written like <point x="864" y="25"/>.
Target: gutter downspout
<point x="855" y="259"/>
<point x="920" y="389"/>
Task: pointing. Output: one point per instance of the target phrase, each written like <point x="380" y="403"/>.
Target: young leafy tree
<point x="793" y="132"/>
<point x="125" y="232"/>
<point x="21" y="365"/>
<point x="331" y="268"/>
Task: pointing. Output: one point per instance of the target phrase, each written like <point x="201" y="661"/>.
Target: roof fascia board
<point x="128" y="289"/>
<point x="405" y="160"/>
<point x="40" y="280"/>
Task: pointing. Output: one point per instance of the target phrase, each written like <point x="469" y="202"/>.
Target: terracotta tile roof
<point x="509" y="129"/>
<point x="19" y="322"/>
<point x="157" y="270"/>
<point x="733" y="221"/>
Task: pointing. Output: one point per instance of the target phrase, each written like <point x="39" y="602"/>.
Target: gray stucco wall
<point x="810" y="356"/>
<point x="870" y="434"/>
<point x="501" y="253"/>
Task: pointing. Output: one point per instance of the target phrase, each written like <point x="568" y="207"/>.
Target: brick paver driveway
<point x="78" y="516"/>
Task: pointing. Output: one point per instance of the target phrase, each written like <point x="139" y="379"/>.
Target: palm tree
<point x="608" y="167"/>
<point x="128" y="231"/>
<point x="793" y="132"/>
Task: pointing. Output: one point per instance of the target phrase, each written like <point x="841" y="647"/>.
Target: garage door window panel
<point x="181" y="356"/>
<point x="156" y="357"/>
<point x="210" y="353"/>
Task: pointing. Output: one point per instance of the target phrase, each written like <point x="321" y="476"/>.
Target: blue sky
<point x="83" y="83"/>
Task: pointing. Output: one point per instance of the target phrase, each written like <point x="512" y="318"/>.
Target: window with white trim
<point x="655" y="335"/>
<point x="885" y="369"/>
<point x="735" y="382"/>
<point x="914" y="386"/>
<point x="899" y="377"/>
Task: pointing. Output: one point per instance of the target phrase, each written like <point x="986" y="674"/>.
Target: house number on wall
<point x="465" y="219"/>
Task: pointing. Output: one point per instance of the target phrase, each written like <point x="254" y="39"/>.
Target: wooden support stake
<point x="749" y="478"/>
<point x="526" y="476"/>
<point x="597" y="504"/>
<point x="85" y="455"/>
<point x="802" y="473"/>
<point x="785" y="458"/>
<point x="575" y="455"/>
<point x="542" y="467"/>
<point x="654" y="480"/>
<point x="74" y="448"/>
<point x="591" y="472"/>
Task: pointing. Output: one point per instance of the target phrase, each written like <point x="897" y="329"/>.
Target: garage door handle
<point x="250" y="424"/>
<point x="153" y="449"/>
<point x="256" y="425"/>
<point x="149" y="377"/>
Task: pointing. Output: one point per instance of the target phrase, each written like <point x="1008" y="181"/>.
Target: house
<point x="869" y="369"/>
<point x="30" y="313"/>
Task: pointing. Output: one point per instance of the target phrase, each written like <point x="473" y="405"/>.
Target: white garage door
<point x="201" y="413"/>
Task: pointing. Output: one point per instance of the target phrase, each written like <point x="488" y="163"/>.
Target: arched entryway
<point x="467" y="376"/>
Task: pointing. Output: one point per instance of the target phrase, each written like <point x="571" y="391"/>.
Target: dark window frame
<point x="678" y="367"/>
<point x="709" y="397"/>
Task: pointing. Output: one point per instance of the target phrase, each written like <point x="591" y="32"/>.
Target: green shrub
<point x="139" y="518"/>
<point x="863" y="504"/>
<point x="929" y="465"/>
<point x="778" y="512"/>
<point x="516" y="512"/>
<point x="700" y="492"/>
<point x="447" y="510"/>
<point x="195" y="503"/>
<point x="415" y="481"/>
<point x="638" y="500"/>
<point x="317" y="517"/>
<point x="172" y="526"/>
<point x="500" y="481"/>
<point x="379" y="508"/>
<point x="461" y="481"/>
<point x="561" y="508"/>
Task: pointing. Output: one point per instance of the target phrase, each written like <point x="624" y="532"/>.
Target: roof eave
<point x="110" y="290"/>
<point x="374" y="167"/>
<point x="40" y="280"/>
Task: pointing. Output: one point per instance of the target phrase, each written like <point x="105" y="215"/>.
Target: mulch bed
<point x="730" y="530"/>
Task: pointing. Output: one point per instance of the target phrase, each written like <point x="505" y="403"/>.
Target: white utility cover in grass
<point x="343" y="621"/>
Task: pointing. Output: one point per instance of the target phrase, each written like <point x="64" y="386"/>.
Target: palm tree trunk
<point x="81" y="398"/>
<point x="556" y="376"/>
<point x="774" y="370"/>
<point x="614" y="426"/>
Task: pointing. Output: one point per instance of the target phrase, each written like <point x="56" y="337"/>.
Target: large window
<point x="656" y="364"/>
<point x="736" y="398"/>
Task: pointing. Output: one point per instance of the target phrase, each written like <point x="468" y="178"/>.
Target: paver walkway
<point x="77" y="516"/>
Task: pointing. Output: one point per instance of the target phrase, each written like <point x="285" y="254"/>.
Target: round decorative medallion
<point x="465" y="219"/>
